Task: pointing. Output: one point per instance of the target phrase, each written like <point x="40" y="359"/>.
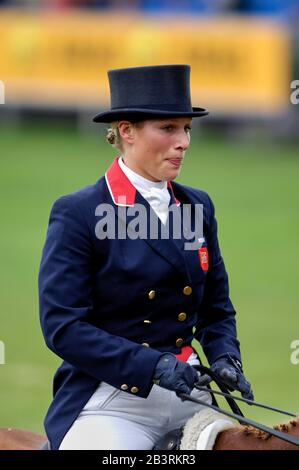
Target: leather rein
<point x="236" y="413"/>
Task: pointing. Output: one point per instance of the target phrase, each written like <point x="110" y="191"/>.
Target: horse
<point x="20" y="439"/>
<point x="237" y="437"/>
<point x="249" y="438"/>
<point x="212" y="430"/>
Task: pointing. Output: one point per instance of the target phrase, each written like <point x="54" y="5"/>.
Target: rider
<point x="120" y="310"/>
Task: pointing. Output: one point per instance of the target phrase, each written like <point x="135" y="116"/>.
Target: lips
<point x="176" y="162"/>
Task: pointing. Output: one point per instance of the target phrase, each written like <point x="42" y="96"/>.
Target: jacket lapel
<point x="128" y="201"/>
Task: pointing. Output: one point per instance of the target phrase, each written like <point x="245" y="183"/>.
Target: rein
<point x="238" y="415"/>
<point x="249" y="402"/>
<point x="224" y="392"/>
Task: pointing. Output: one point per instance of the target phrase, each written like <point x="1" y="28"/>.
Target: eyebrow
<point x="172" y="121"/>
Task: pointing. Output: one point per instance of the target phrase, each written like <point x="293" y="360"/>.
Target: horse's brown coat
<point x="19" y="439"/>
<point x="249" y="438"/>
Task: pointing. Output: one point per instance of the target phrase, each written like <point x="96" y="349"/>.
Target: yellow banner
<point x="239" y="65"/>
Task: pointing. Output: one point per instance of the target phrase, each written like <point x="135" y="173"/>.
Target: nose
<point x="183" y="140"/>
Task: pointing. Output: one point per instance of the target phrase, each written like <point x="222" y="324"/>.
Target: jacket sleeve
<point x="66" y="280"/>
<point x="216" y="327"/>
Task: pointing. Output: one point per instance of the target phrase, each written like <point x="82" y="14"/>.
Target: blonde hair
<point x="113" y="136"/>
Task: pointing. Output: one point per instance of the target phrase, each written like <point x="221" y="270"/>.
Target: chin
<point x="171" y="175"/>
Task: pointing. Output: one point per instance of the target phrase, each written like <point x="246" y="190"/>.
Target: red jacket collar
<point x="122" y="191"/>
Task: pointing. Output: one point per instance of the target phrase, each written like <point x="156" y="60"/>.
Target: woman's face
<point x="155" y="149"/>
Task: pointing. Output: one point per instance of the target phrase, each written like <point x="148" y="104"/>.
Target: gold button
<point x="182" y="316"/>
<point x="179" y="342"/>
<point x="151" y="294"/>
<point x="146" y="345"/>
<point x="187" y="290"/>
<point x="148" y="322"/>
<point x="124" y="387"/>
<point x="134" y="389"/>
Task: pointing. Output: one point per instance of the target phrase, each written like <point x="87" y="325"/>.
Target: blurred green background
<point x="255" y="190"/>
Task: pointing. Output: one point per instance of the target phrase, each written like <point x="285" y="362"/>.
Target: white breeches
<point x="116" y="420"/>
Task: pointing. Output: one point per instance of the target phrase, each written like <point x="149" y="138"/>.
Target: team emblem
<point x="204" y="258"/>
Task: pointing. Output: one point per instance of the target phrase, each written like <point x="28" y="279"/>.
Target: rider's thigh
<point x="106" y="433"/>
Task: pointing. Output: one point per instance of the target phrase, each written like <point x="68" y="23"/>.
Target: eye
<point x="188" y="128"/>
<point x="169" y="127"/>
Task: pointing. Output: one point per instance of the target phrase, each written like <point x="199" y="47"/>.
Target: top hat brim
<point x="142" y="114"/>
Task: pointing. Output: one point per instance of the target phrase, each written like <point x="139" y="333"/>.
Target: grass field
<point x="255" y="190"/>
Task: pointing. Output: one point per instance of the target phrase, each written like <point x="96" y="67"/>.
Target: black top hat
<point x="139" y="93"/>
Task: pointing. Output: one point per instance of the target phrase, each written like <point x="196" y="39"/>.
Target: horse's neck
<point x="247" y="438"/>
<point x="18" y="439"/>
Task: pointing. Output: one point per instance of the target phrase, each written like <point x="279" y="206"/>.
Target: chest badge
<point x="204" y="258"/>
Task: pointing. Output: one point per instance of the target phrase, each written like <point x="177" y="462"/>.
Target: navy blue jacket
<point x="103" y="302"/>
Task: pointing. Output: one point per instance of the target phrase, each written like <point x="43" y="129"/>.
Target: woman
<point x="120" y="301"/>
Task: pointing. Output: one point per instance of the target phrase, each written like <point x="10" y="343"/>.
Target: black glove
<point x="231" y="374"/>
<point x="174" y="375"/>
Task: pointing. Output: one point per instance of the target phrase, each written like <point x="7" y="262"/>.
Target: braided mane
<point x="259" y="434"/>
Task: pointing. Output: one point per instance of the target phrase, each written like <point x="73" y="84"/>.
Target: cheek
<point x="154" y="148"/>
<point x="161" y="146"/>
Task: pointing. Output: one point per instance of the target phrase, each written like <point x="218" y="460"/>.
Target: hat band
<point x="180" y="107"/>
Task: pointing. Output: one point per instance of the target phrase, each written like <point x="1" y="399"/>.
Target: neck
<point x="248" y="438"/>
<point x="138" y="171"/>
<point x="138" y="178"/>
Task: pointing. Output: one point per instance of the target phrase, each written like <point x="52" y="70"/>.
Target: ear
<point x="126" y="131"/>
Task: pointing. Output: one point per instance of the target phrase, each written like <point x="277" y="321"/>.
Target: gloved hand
<point x="174" y="375"/>
<point x="231" y="374"/>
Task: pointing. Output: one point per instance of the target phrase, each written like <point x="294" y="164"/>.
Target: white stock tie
<point x="159" y="199"/>
<point x="156" y="193"/>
